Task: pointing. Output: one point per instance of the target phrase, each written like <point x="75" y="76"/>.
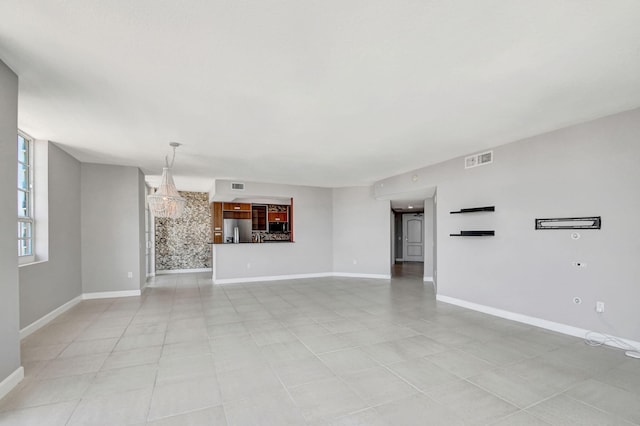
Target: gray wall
<point x="9" y="336"/>
<point x="434" y="265"/>
<point x="397" y="236"/>
<point x="311" y="252"/>
<point x="428" y="236"/>
<point x="112" y="224"/>
<point x="584" y="170"/>
<point x="361" y="229"/>
<point x="48" y="285"/>
<point x="142" y="238"/>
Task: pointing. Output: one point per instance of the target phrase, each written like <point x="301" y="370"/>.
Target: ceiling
<point x="327" y="93"/>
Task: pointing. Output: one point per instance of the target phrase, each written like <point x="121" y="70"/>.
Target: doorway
<point x="413" y="227"/>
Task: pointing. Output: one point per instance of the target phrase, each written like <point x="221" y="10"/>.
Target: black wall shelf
<point x="476" y="209"/>
<point x="474" y="234"/>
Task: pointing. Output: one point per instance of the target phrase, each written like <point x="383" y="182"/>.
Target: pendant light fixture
<point x="166" y="201"/>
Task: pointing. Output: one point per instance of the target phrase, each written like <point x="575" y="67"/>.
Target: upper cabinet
<point x="245" y="207"/>
<point x="236" y="210"/>
<point x="278" y="217"/>
<point x="278" y="213"/>
<point x="258" y="217"/>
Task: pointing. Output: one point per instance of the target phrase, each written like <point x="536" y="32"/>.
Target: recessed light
<point x="410" y="207"/>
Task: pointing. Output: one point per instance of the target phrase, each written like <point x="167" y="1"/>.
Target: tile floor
<point x="328" y="351"/>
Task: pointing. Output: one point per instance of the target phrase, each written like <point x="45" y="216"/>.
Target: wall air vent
<point x="237" y="186"/>
<point x="478" y="159"/>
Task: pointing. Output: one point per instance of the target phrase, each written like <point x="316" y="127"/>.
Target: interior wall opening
<point x="413" y="246"/>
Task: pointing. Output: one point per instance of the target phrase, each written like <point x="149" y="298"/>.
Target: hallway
<point x="410" y="270"/>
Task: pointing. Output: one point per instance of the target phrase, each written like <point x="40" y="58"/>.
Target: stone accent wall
<point x="183" y="243"/>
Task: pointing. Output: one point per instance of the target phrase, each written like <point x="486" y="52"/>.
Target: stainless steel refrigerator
<point x="243" y="233"/>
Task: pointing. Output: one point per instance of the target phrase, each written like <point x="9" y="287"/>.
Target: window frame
<point x="26" y="221"/>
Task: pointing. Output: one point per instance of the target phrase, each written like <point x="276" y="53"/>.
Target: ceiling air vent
<point x="478" y="159"/>
<point x="237" y="186"/>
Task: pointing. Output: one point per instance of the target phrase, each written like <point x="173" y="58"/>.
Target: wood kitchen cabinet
<point x="278" y="217"/>
<point x="258" y="217"/>
<point x="216" y="223"/>
<point x="236" y="210"/>
<point x="244" y="207"/>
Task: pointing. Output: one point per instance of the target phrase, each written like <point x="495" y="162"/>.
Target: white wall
<point x="48" y="285"/>
<point x="361" y="230"/>
<point x="112" y="228"/>
<point x="584" y="170"/>
<point x="311" y="252"/>
<point x="9" y="315"/>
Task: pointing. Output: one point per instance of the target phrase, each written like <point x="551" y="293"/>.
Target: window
<point x="25" y="198"/>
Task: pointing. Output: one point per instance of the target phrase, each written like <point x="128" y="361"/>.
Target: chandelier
<point x="166" y="201"/>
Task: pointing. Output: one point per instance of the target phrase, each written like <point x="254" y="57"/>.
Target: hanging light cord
<point x="173" y="145"/>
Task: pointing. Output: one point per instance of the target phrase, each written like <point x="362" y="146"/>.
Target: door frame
<point x="406" y="218"/>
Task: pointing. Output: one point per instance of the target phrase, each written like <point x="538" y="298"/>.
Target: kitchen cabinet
<point x="216" y="223"/>
<point x="236" y="210"/>
<point x="265" y="222"/>
<point x="246" y="207"/>
<point x="236" y="215"/>
<point x="277" y="217"/>
<point x="258" y="217"/>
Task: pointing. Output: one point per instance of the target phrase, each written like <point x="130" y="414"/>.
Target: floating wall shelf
<point x="474" y="234"/>
<point x="476" y="209"/>
<point x="485" y="233"/>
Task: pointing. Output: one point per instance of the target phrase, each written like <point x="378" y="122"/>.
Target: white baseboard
<point x="46" y="319"/>
<point x="110" y="294"/>
<point x="182" y="271"/>
<point x="428" y="279"/>
<point x="39" y="323"/>
<point x="356" y="275"/>
<point x="271" y="278"/>
<point x="11" y="381"/>
<point x="299" y="276"/>
<point x="538" y="322"/>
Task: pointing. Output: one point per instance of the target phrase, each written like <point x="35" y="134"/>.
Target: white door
<point x="413" y="233"/>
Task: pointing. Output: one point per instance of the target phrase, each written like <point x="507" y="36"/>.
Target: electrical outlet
<point x="599" y="307"/>
<point x="129" y="274"/>
<point x="248" y="266"/>
<point x="355" y="261"/>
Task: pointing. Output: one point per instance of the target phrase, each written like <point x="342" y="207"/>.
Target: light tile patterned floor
<point x="326" y="351"/>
